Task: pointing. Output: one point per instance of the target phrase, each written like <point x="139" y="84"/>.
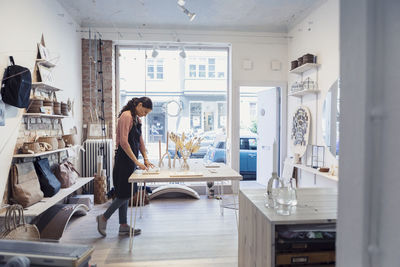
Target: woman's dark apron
<point x="124" y="166"/>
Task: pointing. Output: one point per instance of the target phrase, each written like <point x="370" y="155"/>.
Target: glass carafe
<point x="285" y="195"/>
<point x="270" y="197"/>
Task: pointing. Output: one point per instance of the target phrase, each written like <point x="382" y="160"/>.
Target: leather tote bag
<point x="66" y="174"/>
<point x="25" y="187"/>
<point x="15" y="226"/>
<point x="16" y="85"/>
<point x="49" y="183"/>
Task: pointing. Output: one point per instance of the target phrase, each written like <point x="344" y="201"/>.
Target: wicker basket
<point x="308" y="58"/>
<point x="35" y="105"/>
<point x="294" y="64"/>
<point x="64" y="109"/>
<point x="57" y="108"/>
<point x="50" y="140"/>
<point x="300" y="61"/>
<point x="100" y="189"/>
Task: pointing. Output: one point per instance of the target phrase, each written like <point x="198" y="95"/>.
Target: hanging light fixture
<point x="181" y="4"/>
<point x="182" y="54"/>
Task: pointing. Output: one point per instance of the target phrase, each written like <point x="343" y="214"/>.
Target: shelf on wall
<point x="47" y="202"/>
<point x="303" y="93"/>
<point x="43" y="115"/>
<point x="43" y="87"/>
<point x="305" y="67"/>
<point x="21" y="156"/>
<point x="316" y="172"/>
<point x="45" y="63"/>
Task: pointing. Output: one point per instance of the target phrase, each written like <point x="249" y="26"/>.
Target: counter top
<point x="315" y="205"/>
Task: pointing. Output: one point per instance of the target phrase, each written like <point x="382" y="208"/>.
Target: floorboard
<point x="175" y="232"/>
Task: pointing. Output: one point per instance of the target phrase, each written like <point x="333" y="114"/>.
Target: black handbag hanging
<point x="49" y="183"/>
<point x="16" y="85"/>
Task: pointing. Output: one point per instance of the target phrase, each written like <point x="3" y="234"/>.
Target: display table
<point x="198" y="173"/>
<point x="259" y="228"/>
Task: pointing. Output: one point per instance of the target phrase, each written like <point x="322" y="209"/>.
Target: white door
<point x="268" y="131"/>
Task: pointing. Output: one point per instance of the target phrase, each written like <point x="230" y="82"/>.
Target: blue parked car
<point x="248" y="155"/>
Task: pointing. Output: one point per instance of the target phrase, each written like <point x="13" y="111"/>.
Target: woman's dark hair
<point x="131" y="105"/>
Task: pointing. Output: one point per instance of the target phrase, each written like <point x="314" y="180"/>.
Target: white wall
<point x="368" y="225"/>
<point x="260" y="48"/>
<point x="317" y="34"/>
<point x="23" y="22"/>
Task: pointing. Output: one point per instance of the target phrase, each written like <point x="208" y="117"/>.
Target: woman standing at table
<point x="129" y="142"/>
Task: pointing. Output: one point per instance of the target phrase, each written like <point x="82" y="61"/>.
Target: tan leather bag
<point x="25" y="186"/>
<point x="66" y="174"/>
<point x="15" y="226"/>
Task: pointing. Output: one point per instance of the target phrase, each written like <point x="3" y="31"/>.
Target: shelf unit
<point x="47" y="202"/>
<point x="305" y="67"/>
<point x="304" y="92"/>
<point x="43" y="115"/>
<point x="43" y="87"/>
<point x="53" y="117"/>
<point x="45" y="63"/>
<point x="22" y="156"/>
<point x="300" y="70"/>
<point x="316" y="172"/>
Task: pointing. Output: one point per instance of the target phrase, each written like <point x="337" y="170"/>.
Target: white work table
<point x="257" y="223"/>
<point x="197" y="173"/>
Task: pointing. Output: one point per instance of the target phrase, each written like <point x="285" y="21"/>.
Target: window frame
<point x="155" y="64"/>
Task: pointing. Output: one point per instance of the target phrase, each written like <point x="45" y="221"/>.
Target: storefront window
<point x="198" y="96"/>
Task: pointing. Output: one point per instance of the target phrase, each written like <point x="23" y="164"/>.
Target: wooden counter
<point x="257" y="223"/>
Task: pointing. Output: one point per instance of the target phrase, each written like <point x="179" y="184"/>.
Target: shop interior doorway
<point x="259" y="128"/>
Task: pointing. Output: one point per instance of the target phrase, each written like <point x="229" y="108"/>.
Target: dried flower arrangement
<point x="185" y="147"/>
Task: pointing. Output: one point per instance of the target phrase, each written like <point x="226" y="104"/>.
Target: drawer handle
<point x="300" y="259"/>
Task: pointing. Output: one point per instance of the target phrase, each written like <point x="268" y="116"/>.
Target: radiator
<point x="93" y="154"/>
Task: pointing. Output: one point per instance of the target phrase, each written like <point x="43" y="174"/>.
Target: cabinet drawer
<point x="323" y="257"/>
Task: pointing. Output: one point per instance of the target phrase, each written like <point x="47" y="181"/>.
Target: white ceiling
<point x="236" y="15"/>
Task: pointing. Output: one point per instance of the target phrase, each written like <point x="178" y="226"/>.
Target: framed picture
<point x="46" y="75"/>
<point x="44" y="52"/>
<point x="95" y="130"/>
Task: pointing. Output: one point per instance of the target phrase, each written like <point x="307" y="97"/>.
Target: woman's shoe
<point x="101" y="225"/>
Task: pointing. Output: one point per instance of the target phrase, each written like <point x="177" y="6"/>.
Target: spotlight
<point x="190" y="15"/>
<point x="154" y="53"/>
<point x="182" y="54"/>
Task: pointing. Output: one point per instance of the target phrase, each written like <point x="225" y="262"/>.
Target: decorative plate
<point x="300" y="130"/>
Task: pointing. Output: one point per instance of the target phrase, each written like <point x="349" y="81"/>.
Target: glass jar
<point x="283" y="200"/>
<point x="185" y="156"/>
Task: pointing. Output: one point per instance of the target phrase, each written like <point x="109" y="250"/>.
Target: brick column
<point x="108" y="85"/>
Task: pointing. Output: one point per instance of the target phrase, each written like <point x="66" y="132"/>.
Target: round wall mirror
<point x="330" y="119"/>
<point x="173" y="108"/>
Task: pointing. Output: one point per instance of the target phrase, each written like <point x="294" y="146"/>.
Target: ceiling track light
<point x="182" y="54"/>
<point x="154" y="54"/>
<point x="181" y="4"/>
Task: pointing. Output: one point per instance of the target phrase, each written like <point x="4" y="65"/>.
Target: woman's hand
<point x="148" y="164"/>
<point x="141" y="165"/>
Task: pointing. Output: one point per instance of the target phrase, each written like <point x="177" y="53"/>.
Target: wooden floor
<point x="175" y="232"/>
